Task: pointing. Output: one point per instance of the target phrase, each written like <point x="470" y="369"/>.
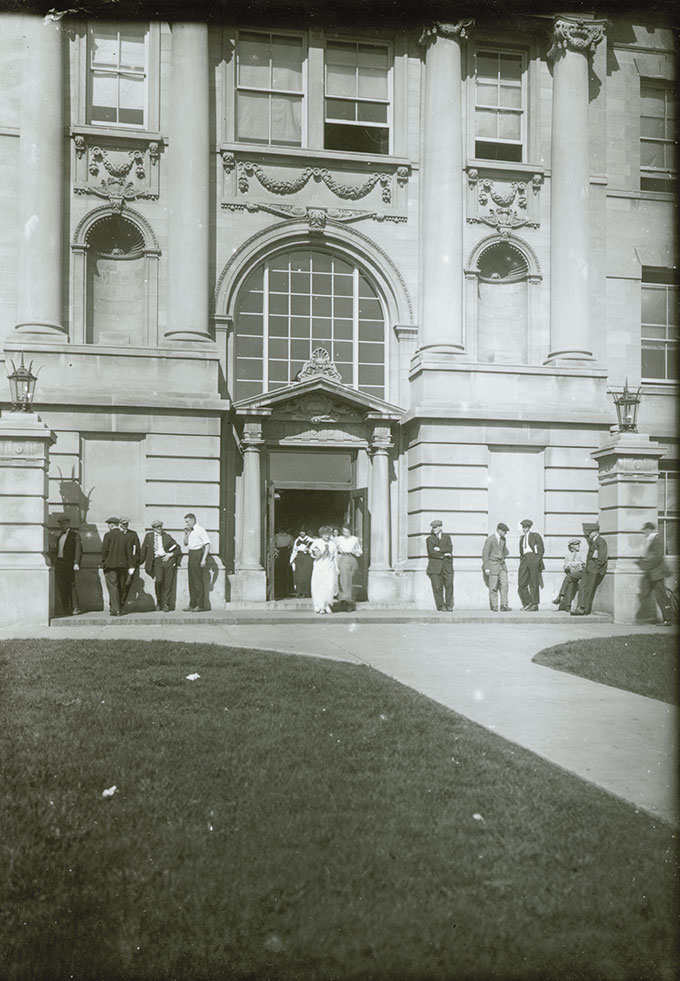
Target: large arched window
<point x="299" y="300"/>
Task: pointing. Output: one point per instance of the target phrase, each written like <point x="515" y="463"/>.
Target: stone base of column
<point x="383" y="586"/>
<point x="44" y="331"/>
<point x="617" y="594"/>
<point x="568" y="359"/>
<point x="437" y="352"/>
<point x="27" y="590"/>
<point x="247" y="586"/>
<point x="188" y="337"/>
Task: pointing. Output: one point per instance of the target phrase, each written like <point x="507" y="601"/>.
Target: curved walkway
<point x="622" y="742"/>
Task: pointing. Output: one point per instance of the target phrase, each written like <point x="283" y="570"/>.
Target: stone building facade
<point x="284" y="276"/>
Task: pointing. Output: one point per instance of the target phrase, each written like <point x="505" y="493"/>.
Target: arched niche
<point x="502" y="302"/>
<point x="348" y="245"/>
<point x="115" y="280"/>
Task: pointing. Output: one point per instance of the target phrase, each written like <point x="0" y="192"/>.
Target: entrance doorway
<point x="292" y="510"/>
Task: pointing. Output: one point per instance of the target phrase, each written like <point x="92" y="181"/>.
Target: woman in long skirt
<point x="349" y="550"/>
<point x="324" y="551"/>
<point x="302" y="564"/>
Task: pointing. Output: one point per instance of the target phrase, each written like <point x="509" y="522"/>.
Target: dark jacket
<point x="146" y="556"/>
<point x="436" y="558"/>
<point x="117" y="550"/>
<point x="73" y="548"/>
<point x="598" y="553"/>
<point x="536" y="547"/>
<point x="653" y="561"/>
<point x="134" y="539"/>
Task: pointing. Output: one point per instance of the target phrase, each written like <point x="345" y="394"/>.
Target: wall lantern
<point x="627" y="404"/>
<point x="22" y="386"/>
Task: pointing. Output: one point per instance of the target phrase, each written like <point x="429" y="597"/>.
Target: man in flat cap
<point x="574" y="565"/>
<point x="117" y="562"/>
<point x="595" y="571"/>
<point x="134" y="542"/>
<point x="160" y="556"/>
<point x="529" y="580"/>
<point x="440" y="566"/>
<point x="654" y="571"/>
<point x="494" y="569"/>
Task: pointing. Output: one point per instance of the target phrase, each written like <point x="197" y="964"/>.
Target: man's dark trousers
<point x="528" y="579"/>
<point x="588" y="587"/>
<point x="442" y="585"/>
<point x="65" y="577"/>
<point x="115" y="583"/>
<point x="196" y="587"/>
<point x="164" y="573"/>
<point x="653" y="587"/>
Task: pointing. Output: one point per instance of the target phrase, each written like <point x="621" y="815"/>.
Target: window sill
<point x="372" y="161"/>
<point x="502" y="166"/>
<point x="660" y="386"/>
<point x="119" y="132"/>
<point x="613" y="192"/>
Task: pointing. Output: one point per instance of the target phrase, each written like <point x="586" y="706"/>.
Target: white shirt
<point x="158" y="549"/>
<point x="62" y="543"/>
<point x="348" y="546"/>
<point x="197" y="538"/>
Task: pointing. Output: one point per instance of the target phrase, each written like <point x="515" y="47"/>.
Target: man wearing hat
<point x="66" y="552"/>
<point x="134" y="542"/>
<point x="574" y="565"/>
<point x="654" y="571"/>
<point x="494" y="569"/>
<point x="118" y="563"/>
<point x="531" y="565"/>
<point x="160" y="555"/>
<point x="596" y="568"/>
<point x="440" y="566"/>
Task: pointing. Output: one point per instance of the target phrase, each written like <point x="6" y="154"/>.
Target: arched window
<point x="116" y="283"/>
<point x="502" y="312"/>
<point x="299" y="300"/>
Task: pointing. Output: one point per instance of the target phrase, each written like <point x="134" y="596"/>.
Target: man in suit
<point x="654" y="571"/>
<point x="118" y="563"/>
<point x="595" y="571"/>
<point x="440" y="566"/>
<point x="160" y="555"/>
<point x="134" y="543"/>
<point x="494" y="554"/>
<point x="529" y="580"/>
<point x="66" y="554"/>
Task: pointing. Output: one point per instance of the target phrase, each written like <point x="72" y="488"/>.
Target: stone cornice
<point x="575" y="34"/>
<point x="455" y="30"/>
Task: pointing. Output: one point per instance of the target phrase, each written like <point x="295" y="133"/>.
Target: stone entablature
<point x="314" y="185"/>
<point x="503" y="199"/>
<point x="116" y="167"/>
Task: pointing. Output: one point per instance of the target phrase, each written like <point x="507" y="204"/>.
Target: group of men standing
<point x="123" y="554"/>
<point x="529" y="579"/>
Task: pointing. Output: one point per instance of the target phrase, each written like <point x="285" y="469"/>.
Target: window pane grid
<point x="499" y="104"/>
<point x="669" y="479"/>
<point x="118" y="76"/>
<point x="269" y="96"/>
<point x="357" y="101"/>
<point x="657" y="132"/>
<point x="659" y="330"/>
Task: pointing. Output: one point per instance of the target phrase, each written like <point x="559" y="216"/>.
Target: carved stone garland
<point x="349" y="192"/>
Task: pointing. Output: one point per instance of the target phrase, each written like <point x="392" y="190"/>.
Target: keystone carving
<point x="575" y="34"/>
<point x="319" y="365"/>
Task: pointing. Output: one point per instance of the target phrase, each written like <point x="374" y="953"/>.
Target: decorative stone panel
<point x="503" y="199"/>
<point x="315" y="187"/>
<point x="117" y="169"/>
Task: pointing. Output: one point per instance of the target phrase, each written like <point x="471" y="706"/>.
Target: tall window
<point x="298" y="301"/>
<point x="269" y="89"/>
<point x="357" y="99"/>
<point x="657" y="136"/>
<point x="117" y="77"/>
<point x="669" y="479"/>
<point x="499" y="105"/>
<point x="660" y="330"/>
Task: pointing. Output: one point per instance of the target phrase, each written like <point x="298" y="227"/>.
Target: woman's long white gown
<point x="324" y="574"/>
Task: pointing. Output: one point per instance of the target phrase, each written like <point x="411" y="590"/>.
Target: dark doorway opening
<point x="310" y="509"/>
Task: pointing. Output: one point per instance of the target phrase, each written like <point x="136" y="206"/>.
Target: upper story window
<point x="295" y="91"/>
<point x="118" y="74"/>
<point x="657" y="136"/>
<point x="500" y="105"/>
<point x="669" y="479"/>
<point x="357" y="97"/>
<point x="269" y="89"/>
<point x="660" y="330"/>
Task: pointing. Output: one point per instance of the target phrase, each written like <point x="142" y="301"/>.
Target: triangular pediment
<point x="320" y="399"/>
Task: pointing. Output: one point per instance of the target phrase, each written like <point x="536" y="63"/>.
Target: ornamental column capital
<point x="456" y="30"/>
<point x="576" y="34"/>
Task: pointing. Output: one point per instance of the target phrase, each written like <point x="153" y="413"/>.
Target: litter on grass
<point x="110" y="791"/>
<point x="477" y="817"/>
<point x="193" y="677"/>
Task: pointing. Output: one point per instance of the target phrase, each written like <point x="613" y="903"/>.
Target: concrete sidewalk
<point x="622" y="742"/>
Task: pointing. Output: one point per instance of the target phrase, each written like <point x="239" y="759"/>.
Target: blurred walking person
<point x="652" y="586"/>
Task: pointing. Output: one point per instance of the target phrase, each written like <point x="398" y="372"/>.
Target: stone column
<point x="26" y="579"/>
<point x="381" y="579"/>
<point x="41" y="170"/>
<point x="574" y="41"/>
<point x="628" y="477"/>
<point x="441" y="175"/>
<point x="188" y="187"/>
<point x="249" y="583"/>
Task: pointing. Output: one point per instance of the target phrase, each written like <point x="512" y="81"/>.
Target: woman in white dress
<point x="349" y="550"/>
<point x="324" y="551"/>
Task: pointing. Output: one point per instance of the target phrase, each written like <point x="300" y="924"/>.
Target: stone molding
<point x="503" y="204"/>
<point x="453" y="31"/>
<point x="576" y="34"/>
<point x="318" y="407"/>
<point x="116" y="168"/>
<point x="315" y="217"/>
<point x="319" y="365"/>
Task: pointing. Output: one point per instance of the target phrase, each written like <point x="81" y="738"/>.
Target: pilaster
<point x="249" y="583"/>
<point x="574" y="40"/>
<point x="381" y="576"/>
<point x="628" y="476"/>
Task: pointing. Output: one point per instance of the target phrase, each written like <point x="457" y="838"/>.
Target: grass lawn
<point x="646" y="664"/>
<point x="286" y="818"/>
